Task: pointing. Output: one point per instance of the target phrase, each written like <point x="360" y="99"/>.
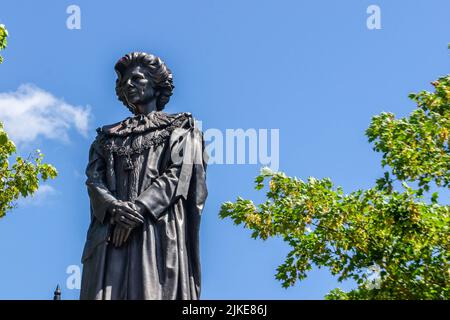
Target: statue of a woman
<point x="146" y="180"/>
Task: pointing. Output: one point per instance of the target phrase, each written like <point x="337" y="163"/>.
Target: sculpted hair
<point x="158" y="72"/>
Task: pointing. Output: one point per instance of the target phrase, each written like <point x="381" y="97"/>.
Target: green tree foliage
<point x="22" y="177"/>
<point x="393" y="243"/>
<point x="3" y="36"/>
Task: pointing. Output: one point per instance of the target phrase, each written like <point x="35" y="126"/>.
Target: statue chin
<point x="135" y="100"/>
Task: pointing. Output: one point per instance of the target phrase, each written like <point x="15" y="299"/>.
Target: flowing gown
<point x="158" y="160"/>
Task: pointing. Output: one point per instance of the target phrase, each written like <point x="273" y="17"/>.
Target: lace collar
<point x="155" y="120"/>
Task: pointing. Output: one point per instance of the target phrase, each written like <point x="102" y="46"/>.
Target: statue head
<point x="143" y="79"/>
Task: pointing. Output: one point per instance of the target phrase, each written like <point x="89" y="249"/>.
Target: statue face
<point x="137" y="86"/>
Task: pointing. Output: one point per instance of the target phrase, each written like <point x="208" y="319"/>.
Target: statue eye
<point x="137" y="78"/>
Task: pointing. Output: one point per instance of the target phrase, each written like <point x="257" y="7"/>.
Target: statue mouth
<point x="132" y="93"/>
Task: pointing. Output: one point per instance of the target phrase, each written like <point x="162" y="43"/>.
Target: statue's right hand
<point x="124" y="215"/>
<point x="120" y="235"/>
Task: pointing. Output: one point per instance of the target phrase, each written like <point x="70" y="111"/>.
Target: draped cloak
<point x="157" y="160"/>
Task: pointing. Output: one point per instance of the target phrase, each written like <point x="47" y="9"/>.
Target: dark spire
<point x="57" y="293"/>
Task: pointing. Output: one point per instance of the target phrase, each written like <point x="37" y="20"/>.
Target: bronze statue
<point x="146" y="180"/>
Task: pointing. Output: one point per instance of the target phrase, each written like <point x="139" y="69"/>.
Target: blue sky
<point x="311" y="69"/>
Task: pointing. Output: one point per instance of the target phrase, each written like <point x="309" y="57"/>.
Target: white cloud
<point x="41" y="196"/>
<point x="44" y="190"/>
<point x="30" y="112"/>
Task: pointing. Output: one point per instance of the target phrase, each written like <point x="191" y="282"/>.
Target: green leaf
<point x="434" y="197"/>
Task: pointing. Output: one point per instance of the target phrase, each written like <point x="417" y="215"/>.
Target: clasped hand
<point x="125" y="215"/>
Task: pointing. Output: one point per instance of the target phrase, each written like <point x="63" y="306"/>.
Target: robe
<point x="158" y="160"/>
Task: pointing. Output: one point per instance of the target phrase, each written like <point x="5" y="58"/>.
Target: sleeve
<point x="100" y="196"/>
<point x="163" y="191"/>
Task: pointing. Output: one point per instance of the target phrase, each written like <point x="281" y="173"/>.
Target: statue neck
<point x="146" y="108"/>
